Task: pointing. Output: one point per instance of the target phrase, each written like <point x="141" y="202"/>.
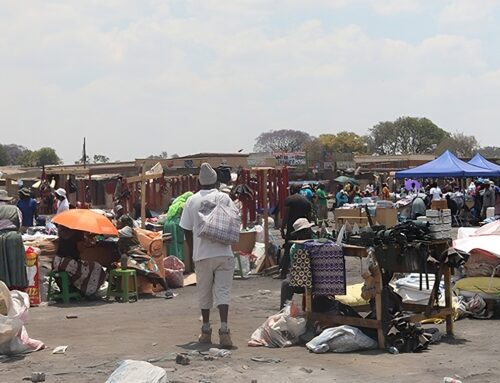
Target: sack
<point x="341" y="339"/>
<point x="220" y="222"/>
<point x="174" y="271"/>
<point x="135" y="371"/>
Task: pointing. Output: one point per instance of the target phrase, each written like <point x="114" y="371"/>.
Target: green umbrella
<point x="345" y="180"/>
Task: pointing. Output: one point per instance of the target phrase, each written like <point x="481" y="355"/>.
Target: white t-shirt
<point x="203" y="248"/>
<point x="62" y="205"/>
<point x="435" y="193"/>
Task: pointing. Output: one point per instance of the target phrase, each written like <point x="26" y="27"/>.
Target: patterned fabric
<point x="327" y="266"/>
<point x="85" y="276"/>
<point x="300" y="272"/>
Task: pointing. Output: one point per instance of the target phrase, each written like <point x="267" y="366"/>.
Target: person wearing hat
<point x="27" y="205"/>
<point x="302" y="231"/>
<point x="62" y="201"/>
<point x="214" y="261"/>
<point x="10" y="215"/>
<point x="122" y="219"/>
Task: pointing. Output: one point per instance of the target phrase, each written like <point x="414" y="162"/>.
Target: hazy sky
<point x="140" y="77"/>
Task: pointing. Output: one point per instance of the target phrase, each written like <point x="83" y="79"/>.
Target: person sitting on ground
<point x="302" y="231"/>
<point x="139" y="259"/>
<point x="27" y="205"/>
<point x="122" y="219"/>
<point x="62" y="201"/>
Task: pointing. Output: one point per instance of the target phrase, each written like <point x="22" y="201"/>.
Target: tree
<point x="406" y="135"/>
<point x="343" y="142"/>
<point x="4" y="156"/>
<point x="27" y="159"/>
<point x="14" y="152"/>
<point x="284" y="140"/>
<point x="175" y="155"/>
<point x="100" y="159"/>
<point x="460" y="144"/>
<point x="162" y="156"/>
<point x="46" y="156"/>
<point x="490" y="151"/>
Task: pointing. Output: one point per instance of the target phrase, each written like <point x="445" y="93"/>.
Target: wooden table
<point x="420" y="312"/>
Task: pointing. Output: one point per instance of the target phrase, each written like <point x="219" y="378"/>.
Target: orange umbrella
<point x="86" y="220"/>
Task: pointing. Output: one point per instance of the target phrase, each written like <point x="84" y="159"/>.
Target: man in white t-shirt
<point x="214" y="261"/>
<point x="435" y="192"/>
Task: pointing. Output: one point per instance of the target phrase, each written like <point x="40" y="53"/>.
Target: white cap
<point x="61" y="192"/>
<point x="207" y="176"/>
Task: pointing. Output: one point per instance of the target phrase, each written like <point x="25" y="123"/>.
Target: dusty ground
<point x="105" y="333"/>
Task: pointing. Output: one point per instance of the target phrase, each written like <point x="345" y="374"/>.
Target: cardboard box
<point x="439" y="204"/>
<point x="387" y="217"/>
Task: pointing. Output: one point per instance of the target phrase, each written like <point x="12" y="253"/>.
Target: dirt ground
<point x="155" y="329"/>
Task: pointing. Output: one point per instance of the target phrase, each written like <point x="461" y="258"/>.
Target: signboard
<point x="291" y="159"/>
<point x="343" y="165"/>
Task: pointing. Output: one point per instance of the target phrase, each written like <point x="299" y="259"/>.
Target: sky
<point x="141" y="77"/>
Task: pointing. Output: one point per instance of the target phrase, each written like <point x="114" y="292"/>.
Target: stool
<point x="65" y="294"/>
<point x="119" y="287"/>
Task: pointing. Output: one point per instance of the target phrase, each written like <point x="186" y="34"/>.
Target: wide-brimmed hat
<point x="61" y="192"/>
<point x="306" y="186"/>
<point x="301" y="224"/>
<point x="4" y="196"/>
<point x="25" y="191"/>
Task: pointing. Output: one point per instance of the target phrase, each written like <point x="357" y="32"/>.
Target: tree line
<point x="13" y="154"/>
<point x="405" y="135"/>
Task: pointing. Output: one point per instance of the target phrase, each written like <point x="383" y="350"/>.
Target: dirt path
<point x="104" y="334"/>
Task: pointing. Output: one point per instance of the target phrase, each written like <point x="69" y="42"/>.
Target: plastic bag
<point x="135" y="371"/>
<point x="174" y="271"/>
<point x="341" y="339"/>
<point x="280" y="330"/>
<point x="219" y="221"/>
<point x="13" y="336"/>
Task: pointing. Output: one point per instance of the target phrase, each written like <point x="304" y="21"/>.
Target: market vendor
<point x="10" y="215"/>
<point x="86" y="276"/>
<point x="62" y="201"/>
<point x="302" y="231"/>
<point x="138" y="259"/>
<point x="122" y="219"/>
<point x="28" y="208"/>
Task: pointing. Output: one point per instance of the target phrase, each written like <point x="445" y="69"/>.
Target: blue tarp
<point x="479" y="160"/>
<point x="446" y="165"/>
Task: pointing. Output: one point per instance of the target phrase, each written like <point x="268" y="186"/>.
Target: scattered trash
<point x="448" y="379"/>
<point x="307" y="370"/>
<point x="264" y="292"/>
<point x="183" y="360"/>
<point x="341" y="339"/>
<point x="71" y="316"/>
<point x="136" y="371"/>
<point x="262" y="359"/>
<point x="170" y="369"/>
<point x="219" y="353"/>
<point x="154" y="344"/>
<point x="393" y="350"/>
<point x="60" y="350"/>
<point x="245" y="367"/>
<point x="208" y="358"/>
<point x="36" y="377"/>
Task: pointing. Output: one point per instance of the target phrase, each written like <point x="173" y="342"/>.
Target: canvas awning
<point x="479" y="160"/>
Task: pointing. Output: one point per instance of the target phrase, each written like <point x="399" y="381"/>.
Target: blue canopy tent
<point x="479" y="160"/>
<point x="446" y="165"/>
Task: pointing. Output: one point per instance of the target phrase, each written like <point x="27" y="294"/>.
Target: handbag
<point x="219" y="221"/>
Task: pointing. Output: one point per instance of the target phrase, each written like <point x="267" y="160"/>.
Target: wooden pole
<point x="143" y="196"/>
<point x="266" y="211"/>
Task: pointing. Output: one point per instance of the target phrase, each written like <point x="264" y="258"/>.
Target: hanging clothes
<point x="300" y="272"/>
<point x="327" y="266"/>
